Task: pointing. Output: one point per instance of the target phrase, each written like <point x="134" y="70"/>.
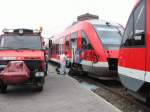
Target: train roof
<point x="81" y="24"/>
<point x="101" y="22"/>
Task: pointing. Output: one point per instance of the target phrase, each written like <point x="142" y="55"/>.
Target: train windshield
<point x="110" y="36"/>
<point x="20" y="42"/>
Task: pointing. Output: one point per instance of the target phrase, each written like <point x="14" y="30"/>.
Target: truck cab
<point x="25" y="46"/>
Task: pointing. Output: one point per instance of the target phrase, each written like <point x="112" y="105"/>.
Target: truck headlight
<point x="39" y="74"/>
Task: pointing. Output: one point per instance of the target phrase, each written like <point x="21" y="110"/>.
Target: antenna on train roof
<point x="108" y="23"/>
<point x="87" y="16"/>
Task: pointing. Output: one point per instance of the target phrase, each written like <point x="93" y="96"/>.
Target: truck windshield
<point x="109" y="35"/>
<point x="20" y="42"/>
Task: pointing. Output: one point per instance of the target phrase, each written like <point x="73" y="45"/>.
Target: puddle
<point x="89" y="86"/>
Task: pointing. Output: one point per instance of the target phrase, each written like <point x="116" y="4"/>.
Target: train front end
<point x="134" y="56"/>
<point x="110" y="37"/>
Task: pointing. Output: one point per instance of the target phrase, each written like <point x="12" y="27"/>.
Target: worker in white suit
<point x="63" y="64"/>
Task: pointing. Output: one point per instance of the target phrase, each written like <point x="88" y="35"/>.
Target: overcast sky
<point x="56" y="15"/>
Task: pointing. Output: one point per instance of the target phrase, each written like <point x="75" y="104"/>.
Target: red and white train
<point x="92" y="46"/>
<point x="134" y="57"/>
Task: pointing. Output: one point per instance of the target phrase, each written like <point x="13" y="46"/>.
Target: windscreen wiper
<point x="24" y="48"/>
<point x="110" y="25"/>
<point x="7" y="48"/>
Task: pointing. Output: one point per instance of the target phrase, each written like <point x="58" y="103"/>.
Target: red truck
<point x="22" y="58"/>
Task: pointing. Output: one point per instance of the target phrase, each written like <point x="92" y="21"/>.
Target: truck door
<point x="132" y="58"/>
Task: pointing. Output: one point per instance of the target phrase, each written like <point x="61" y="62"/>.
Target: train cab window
<point x="135" y="31"/>
<point x="128" y="35"/>
<point x="139" y="24"/>
<point x="86" y="45"/>
<point x="110" y="35"/>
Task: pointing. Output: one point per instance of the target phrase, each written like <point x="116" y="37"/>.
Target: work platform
<point x="60" y="94"/>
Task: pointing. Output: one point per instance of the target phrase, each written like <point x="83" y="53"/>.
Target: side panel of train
<point x="134" y="58"/>
<point x="84" y="48"/>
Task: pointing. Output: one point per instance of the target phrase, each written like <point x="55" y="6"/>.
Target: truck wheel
<point x="39" y="87"/>
<point x="39" y="84"/>
<point x="3" y="87"/>
<point x="45" y="73"/>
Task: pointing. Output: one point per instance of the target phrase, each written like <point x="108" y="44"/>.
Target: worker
<point x="77" y="56"/>
<point x="63" y="64"/>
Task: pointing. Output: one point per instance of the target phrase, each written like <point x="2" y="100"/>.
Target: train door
<point x="61" y="46"/>
<point x="147" y="78"/>
<point x="67" y="46"/>
<point x="132" y="59"/>
<point x="74" y="43"/>
<point x="86" y="53"/>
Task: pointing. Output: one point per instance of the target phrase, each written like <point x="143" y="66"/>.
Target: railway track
<point x="115" y="93"/>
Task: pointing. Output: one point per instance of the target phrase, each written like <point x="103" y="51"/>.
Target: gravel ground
<point x="121" y="103"/>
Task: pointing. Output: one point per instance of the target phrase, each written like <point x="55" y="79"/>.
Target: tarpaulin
<point x="16" y="72"/>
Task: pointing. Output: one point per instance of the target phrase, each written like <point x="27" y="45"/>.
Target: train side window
<point x="57" y="48"/>
<point x="74" y="37"/>
<point x="54" y="48"/>
<point x="61" y="45"/>
<point x="135" y="31"/>
<point x="67" y="43"/>
<point x="86" y="45"/>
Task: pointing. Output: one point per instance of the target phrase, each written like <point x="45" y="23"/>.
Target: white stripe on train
<point x="134" y="73"/>
<point x="87" y="63"/>
<point x="98" y="64"/>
